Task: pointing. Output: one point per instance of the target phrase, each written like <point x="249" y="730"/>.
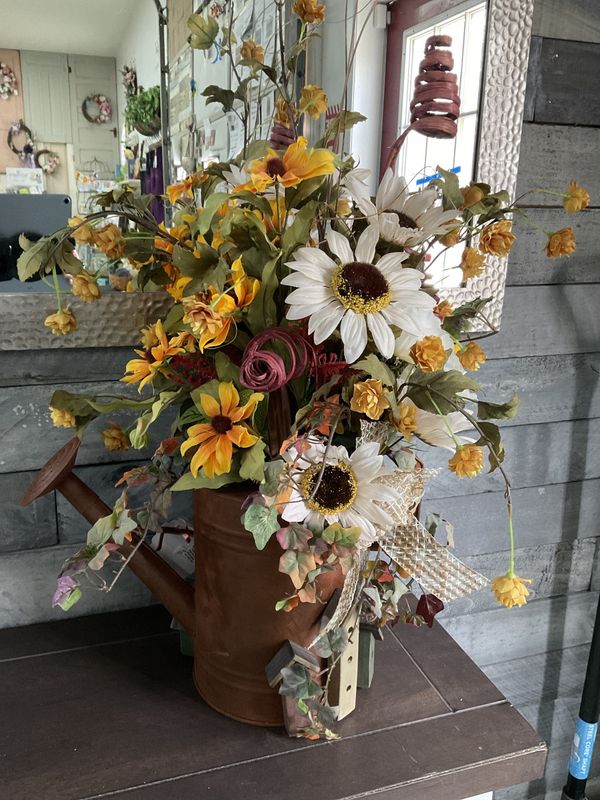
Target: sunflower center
<point x="221" y="424"/>
<point x="403" y="219"/>
<point x="336" y="491"/>
<point x="360" y="287"/>
<point x="275" y="167"/>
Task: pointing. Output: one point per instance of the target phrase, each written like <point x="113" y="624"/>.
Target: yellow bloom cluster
<point x="471" y="263"/>
<point x="368" y="397"/>
<point x="561" y="243"/>
<point x="309" y="10"/>
<point x="497" y="239"/>
<point x="510" y="590"/>
<point x="472" y="356"/>
<point x="429" y="354"/>
<point x="115" y="438"/>
<point x="61" y="322"/>
<point x="467" y="461"/>
<point x="62" y="418"/>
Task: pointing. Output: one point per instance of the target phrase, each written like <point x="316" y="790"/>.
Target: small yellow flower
<point x="510" y="590"/>
<point x="183" y="189"/>
<point x="313" y="101"/>
<point x="85" y="287"/>
<point x="145" y="368"/>
<point x="309" y="10"/>
<point x="467" y="461"/>
<point x="149" y="337"/>
<point x="368" y="397"/>
<point x="576" y="198"/>
<point x="471" y="263"/>
<point x="429" y="354"/>
<point x="343" y="207"/>
<point x="62" y="322"/>
<point x="209" y="317"/>
<point x="453" y="236"/>
<point x="472" y="357"/>
<point x="472" y="195"/>
<point x="405" y="421"/>
<point x="62" y="418"/>
<point x="443" y="310"/>
<point x="282" y="112"/>
<point x="497" y="239"/>
<point x="115" y="438"/>
<point x="561" y="243"/>
<point x="250" y="50"/>
<point x="83" y="234"/>
<point x="110" y="240"/>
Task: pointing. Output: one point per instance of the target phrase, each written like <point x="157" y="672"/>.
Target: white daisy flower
<point x="348" y="492"/>
<point x="356" y="294"/>
<point x="401" y="217"/>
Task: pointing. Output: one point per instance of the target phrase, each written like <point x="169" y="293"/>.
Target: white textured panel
<point x="113" y="321"/>
<point x="509" y="35"/>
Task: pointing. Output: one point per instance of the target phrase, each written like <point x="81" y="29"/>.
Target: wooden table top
<point x="104" y="706"/>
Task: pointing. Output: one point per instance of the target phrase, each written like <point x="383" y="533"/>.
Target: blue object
<point x="583" y="749"/>
<point x="436" y="175"/>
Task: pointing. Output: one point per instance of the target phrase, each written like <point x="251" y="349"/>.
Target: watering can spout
<point x="172" y="591"/>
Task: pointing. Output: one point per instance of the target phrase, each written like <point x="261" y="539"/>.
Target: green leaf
<point x="344" y="537"/>
<point x="101" y="531"/>
<point x="498" y="410"/>
<point x="459" y="322"/>
<point x="187" y="481"/>
<point x="261" y="522"/>
<point x="34" y="257"/>
<point x="297" y="564"/>
<point x="297" y="195"/>
<point x="451" y="194"/>
<point x="445" y="388"/>
<point x="262" y="313"/>
<point x="214" y="94"/>
<point x="67" y="260"/>
<point x="69" y="601"/>
<point x="294" y="537"/>
<point x="191" y="265"/>
<point x="204" y="31"/>
<point x="298" y="232"/>
<point x="344" y="121"/>
<point x="491" y="436"/>
<point x="226" y="369"/>
<point x="298" y="682"/>
<point x="256" y="201"/>
<point x="212" y="205"/>
<point x="272" y="473"/>
<point x="252" y="462"/>
<point x="377" y="369"/>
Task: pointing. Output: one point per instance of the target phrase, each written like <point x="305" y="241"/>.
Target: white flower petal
<point x="324" y="322"/>
<point x="392" y="191"/>
<point x="391" y="263"/>
<point x="382" y="334"/>
<point x="339" y="245"/>
<point x="367" y="242"/>
<point x="353" y="331"/>
<point x="419" y="203"/>
<point x="313" y="255"/>
<point x="310" y="294"/>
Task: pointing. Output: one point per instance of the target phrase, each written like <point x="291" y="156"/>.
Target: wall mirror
<point x="490" y="46"/>
<point x="72" y="129"/>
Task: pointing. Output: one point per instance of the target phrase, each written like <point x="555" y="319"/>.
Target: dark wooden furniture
<point x="104" y="706"/>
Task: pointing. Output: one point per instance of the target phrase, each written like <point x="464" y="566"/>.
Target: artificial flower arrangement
<point x="305" y="353"/>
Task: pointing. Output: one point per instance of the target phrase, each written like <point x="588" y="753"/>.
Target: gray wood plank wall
<point x="549" y="351"/>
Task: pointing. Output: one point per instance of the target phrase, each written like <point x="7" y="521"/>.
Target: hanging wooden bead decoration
<point x="435" y="106"/>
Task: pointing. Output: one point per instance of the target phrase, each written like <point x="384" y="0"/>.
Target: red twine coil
<point x="435" y="106"/>
<point x="264" y="370"/>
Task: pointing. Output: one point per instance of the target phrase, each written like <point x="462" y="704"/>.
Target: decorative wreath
<point x="8" y="82"/>
<point x="50" y="163"/>
<point x="103" y="106"/>
<point x="26" y="152"/>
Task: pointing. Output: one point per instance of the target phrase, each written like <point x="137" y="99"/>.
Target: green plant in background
<point x="143" y="108"/>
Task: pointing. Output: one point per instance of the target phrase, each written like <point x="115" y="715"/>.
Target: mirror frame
<point x="503" y="101"/>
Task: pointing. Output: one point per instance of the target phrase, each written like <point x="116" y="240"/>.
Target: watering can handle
<point x="162" y="580"/>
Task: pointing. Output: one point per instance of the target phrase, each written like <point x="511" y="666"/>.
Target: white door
<point x="92" y="75"/>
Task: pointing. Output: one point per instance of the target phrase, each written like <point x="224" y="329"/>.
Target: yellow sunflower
<point x="215" y="439"/>
<point x="145" y="368"/>
<point x="298" y="163"/>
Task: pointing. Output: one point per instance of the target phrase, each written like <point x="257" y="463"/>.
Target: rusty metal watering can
<point x="231" y="612"/>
